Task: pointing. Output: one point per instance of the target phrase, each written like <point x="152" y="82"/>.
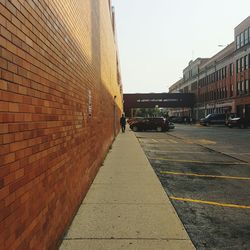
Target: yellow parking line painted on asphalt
<point x="189" y="141"/>
<point x="210" y="203"/>
<point x="206" y="175"/>
<point x="177" y="152"/>
<point x="206" y="142"/>
<point x="154" y="140"/>
<point x="191" y="161"/>
<point x="172" y="141"/>
<point x="201" y="141"/>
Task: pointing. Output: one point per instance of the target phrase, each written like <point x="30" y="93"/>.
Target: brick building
<point x="60" y="100"/>
<point x="220" y="83"/>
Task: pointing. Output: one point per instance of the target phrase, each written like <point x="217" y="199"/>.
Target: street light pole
<point x="197" y="94"/>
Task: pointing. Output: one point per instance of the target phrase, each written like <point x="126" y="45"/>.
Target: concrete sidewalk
<point x="126" y="206"/>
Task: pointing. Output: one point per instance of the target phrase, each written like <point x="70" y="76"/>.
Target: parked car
<point x="175" y="119"/>
<point x="213" y="119"/>
<point x="133" y="119"/>
<point x="171" y="125"/>
<point x="157" y="123"/>
<point x="179" y="119"/>
<point x="229" y="117"/>
<point x="238" y="122"/>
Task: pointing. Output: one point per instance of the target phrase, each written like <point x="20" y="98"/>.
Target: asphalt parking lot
<point x="205" y="171"/>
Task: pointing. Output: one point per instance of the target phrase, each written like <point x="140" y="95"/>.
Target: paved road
<point x="206" y="173"/>
<point x="231" y="141"/>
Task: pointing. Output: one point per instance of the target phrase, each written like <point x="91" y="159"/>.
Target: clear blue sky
<point x="157" y="38"/>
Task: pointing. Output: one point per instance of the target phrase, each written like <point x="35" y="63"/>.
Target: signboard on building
<point x="171" y="100"/>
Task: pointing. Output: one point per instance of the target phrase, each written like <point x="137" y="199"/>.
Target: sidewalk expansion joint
<point x="113" y="238"/>
<point x="124" y="203"/>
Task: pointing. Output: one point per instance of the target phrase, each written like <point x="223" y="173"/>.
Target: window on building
<point x="193" y="86"/>
<point x="242" y="40"/>
<point x="199" y="83"/>
<point x="247" y="86"/>
<point x="245" y="62"/>
<point x="237" y="66"/>
<point x="249" y="61"/>
<point x="242" y="87"/>
<point x="242" y="64"/>
<point x="237" y="42"/>
<point x="246" y="36"/>
<point x="190" y="73"/>
<point x="238" y="88"/>
<point x="244" y="90"/>
<point x="231" y="69"/>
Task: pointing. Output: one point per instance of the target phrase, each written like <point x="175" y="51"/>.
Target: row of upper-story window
<point x="242" y="88"/>
<point x="213" y="95"/>
<point x="243" y="38"/>
<point x="216" y="76"/>
<point x="243" y="63"/>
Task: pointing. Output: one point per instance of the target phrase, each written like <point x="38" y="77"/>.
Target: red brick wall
<point x="58" y="81"/>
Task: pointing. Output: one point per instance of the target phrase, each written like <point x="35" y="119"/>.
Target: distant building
<point x="220" y="83"/>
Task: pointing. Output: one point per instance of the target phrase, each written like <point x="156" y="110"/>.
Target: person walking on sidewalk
<point x="123" y="123"/>
<point x="191" y="120"/>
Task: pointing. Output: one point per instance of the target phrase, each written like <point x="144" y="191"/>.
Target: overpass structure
<point x="161" y="100"/>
